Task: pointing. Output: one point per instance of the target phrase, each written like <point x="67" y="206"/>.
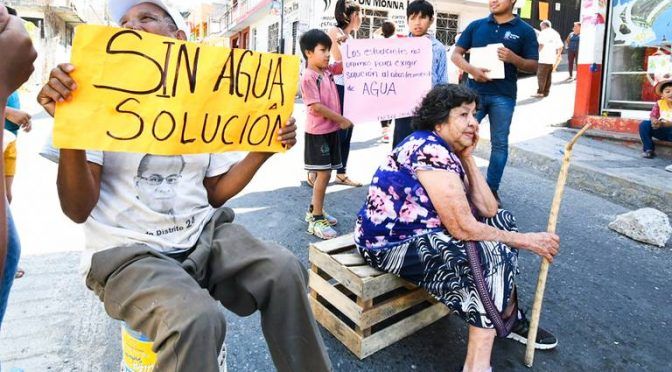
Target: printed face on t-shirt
<point x="157" y="179"/>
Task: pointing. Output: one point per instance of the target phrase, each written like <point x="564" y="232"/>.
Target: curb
<point x="585" y="177"/>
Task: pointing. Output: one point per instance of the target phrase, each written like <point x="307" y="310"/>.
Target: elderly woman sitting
<point x="431" y="219"/>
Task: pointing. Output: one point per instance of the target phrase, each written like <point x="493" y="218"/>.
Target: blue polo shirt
<point x="516" y="35"/>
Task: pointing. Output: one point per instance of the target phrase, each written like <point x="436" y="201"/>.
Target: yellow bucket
<point x="137" y="351"/>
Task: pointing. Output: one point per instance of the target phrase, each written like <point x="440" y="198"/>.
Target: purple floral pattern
<point x="397" y="207"/>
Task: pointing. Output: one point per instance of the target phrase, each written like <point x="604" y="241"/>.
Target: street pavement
<point x="607" y="297"/>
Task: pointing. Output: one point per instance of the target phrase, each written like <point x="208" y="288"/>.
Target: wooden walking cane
<point x="543" y="271"/>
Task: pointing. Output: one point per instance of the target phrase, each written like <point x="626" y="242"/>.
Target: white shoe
<point x="669" y="168"/>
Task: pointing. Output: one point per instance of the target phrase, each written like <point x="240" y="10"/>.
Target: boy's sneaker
<point x="545" y="340"/>
<point x="669" y="168"/>
<point x="321" y="228"/>
<point x="331" y="219"/>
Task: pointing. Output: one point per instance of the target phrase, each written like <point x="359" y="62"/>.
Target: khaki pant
<point x="178" y="304"/>
<point x="544" y="77"/>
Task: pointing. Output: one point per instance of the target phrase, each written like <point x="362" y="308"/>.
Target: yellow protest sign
<point x="138" y="92"/>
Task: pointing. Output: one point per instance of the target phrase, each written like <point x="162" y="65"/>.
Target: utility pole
<point x="282" y="26"/>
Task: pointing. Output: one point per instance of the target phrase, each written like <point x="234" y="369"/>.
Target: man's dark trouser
<point x="178" y="304"/>
<point x="344" y="135"/>
<point x="544" y="77"/>
<point x="402" y="129"/>
<point x="571" y="58"/>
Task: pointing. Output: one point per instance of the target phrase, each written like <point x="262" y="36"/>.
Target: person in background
<point x="550" y="48"/>
<point x="572" y="45"/>
<point x="15" y="119"/>
<point x="16" y="66"/>
<point x="387" y="30"/>
<point x="348" y="20"/>
<point x="498" y="97"/>
<point x="659" y="124"/>
<point x="420" y="16"/>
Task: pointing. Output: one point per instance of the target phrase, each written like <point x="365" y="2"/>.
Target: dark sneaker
<point x="648" y="154"/>
<point x="545" y="340"/>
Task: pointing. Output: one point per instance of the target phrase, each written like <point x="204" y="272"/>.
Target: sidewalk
<point x="615" y="172"/>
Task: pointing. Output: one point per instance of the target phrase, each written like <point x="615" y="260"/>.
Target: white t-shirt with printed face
<point x="551" y="41"/>
<point x="158" y="201"/>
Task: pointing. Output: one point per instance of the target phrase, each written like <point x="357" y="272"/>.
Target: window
<point x="446" y="27"/>
<point x="273" y="37"/>
<point x="295" y="31"/>
<point x="371" y="21"/>
<point x="635" y="33"/>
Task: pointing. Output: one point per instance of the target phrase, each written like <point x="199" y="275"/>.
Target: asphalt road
<point x="608" y="298"/>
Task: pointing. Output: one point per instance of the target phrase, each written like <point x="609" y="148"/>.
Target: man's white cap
<point x="118" y="9"/>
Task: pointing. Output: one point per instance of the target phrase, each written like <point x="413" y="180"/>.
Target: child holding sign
<point x="322" y="152"/>
<point x="420" y="16"/>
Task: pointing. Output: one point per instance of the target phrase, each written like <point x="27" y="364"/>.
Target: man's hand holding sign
<point x="127" y="90"/>
<point x="144" y="89"/>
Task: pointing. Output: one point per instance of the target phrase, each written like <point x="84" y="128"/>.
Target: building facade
<point x="51" y="25"/>
<point x="625" y="49"/>
<point x="256" y="24"/>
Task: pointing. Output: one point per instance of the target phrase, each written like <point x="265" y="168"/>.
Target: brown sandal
<point x="343" y="179"/>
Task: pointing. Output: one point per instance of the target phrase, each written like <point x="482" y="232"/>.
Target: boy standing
<point x="498" y="97"/>
<point x="322" y="152"/>
<point x="419" y="17"/>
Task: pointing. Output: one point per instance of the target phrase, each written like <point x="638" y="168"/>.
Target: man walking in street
<point x="170" y="280"/>
<point x="550" y="48"/>
<point x="498" y="97"/>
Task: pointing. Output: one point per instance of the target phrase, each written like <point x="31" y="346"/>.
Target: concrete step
<point x="631" y="140"/>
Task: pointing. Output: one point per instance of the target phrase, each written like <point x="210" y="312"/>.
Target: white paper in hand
<point x="486" y="57"/>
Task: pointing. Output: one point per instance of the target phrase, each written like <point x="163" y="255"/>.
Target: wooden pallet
<point x="366" y="309"/>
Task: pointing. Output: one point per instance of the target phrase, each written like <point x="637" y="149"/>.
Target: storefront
<point x="626" y="51"/>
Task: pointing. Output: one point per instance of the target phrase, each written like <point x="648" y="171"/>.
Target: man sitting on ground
<point x="169" y="279"/>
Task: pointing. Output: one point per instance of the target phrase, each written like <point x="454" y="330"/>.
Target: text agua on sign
<point x="240" y="83"/>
